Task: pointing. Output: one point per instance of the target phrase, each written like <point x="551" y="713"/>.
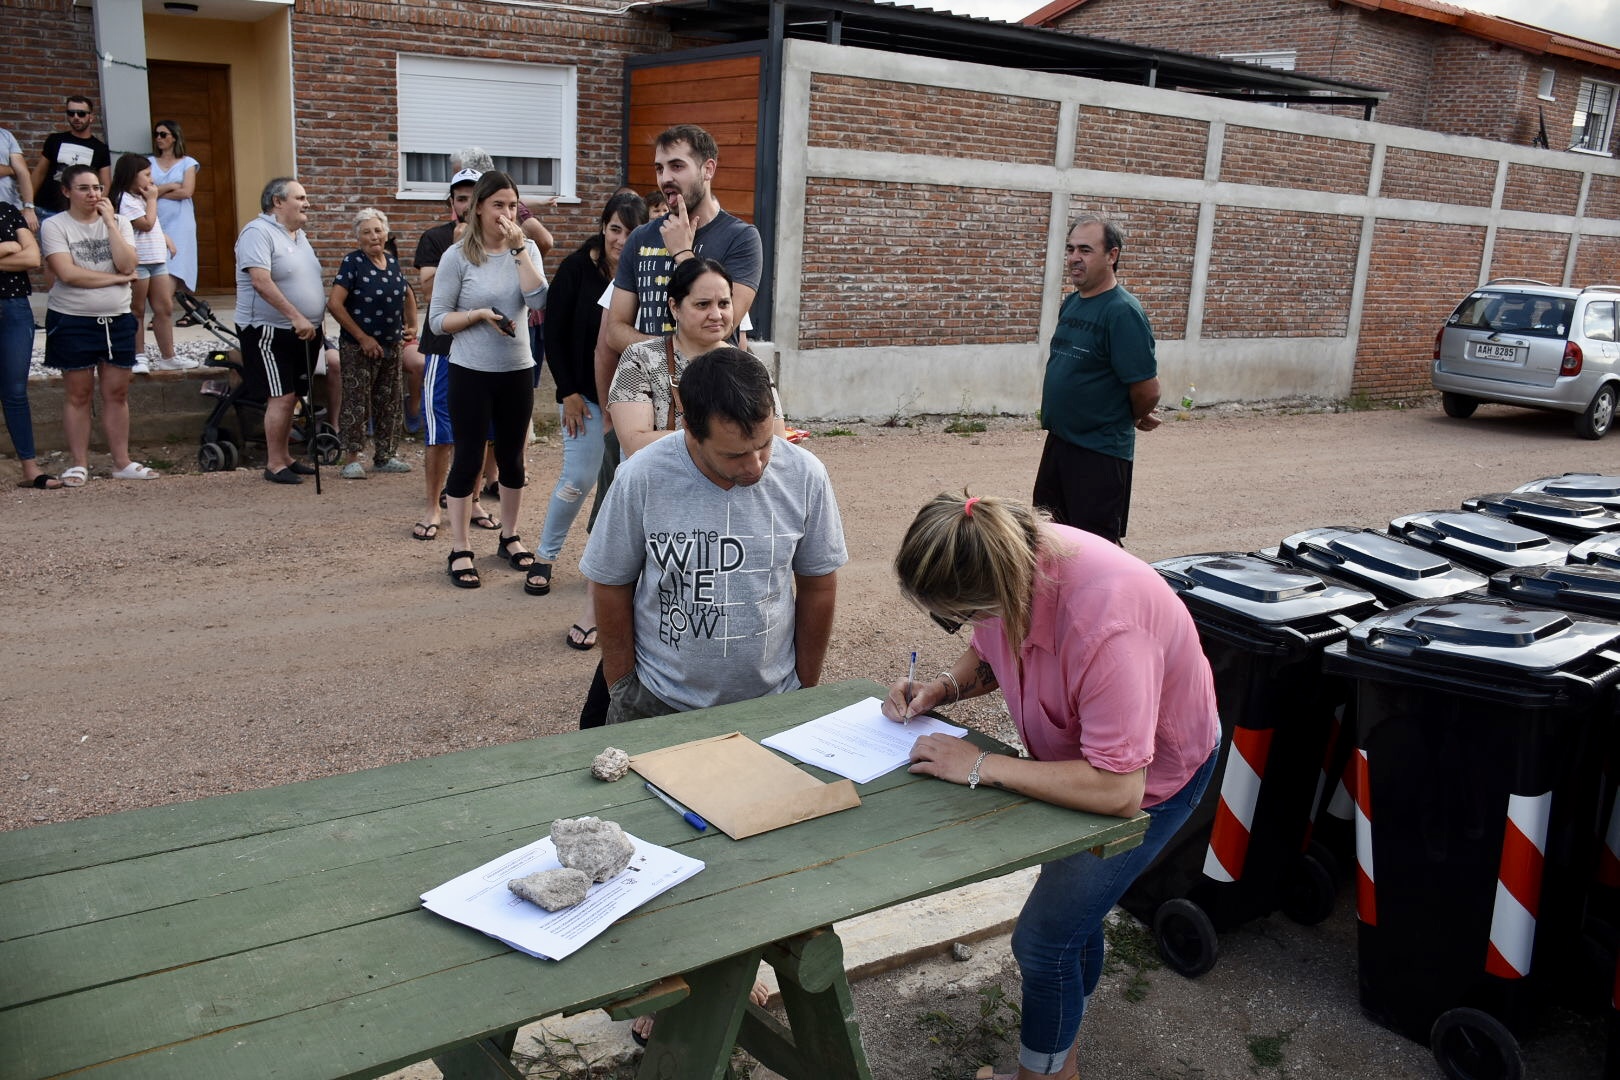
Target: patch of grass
<point x="897" y="418"/>
<point x="160" y="464"/>
<point x="1360" y="401"/>
<point x="976" y="1042"/>
<point x="832" y="433"/>
<point x="1267" y="1050"/>
<point x="1131" y="949"/>
<point x="961" y="425"/>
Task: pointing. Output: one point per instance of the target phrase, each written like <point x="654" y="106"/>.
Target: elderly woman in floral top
<point x="376" y="308"/>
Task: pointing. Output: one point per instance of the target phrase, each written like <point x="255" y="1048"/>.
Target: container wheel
<point x="328" y="448"/>
<point x="1311" y="887"/>
<point x="210" y="457"/>
<point x="1186" y="936"/>
<point x="1595" y="422"/>
<point x="233" y="456"/>
<point x="1460" y="406"/>
<point x="1472" y="1045"/>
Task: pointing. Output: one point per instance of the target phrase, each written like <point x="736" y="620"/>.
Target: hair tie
<point x="967" y="507"/>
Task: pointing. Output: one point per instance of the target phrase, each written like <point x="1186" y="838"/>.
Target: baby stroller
<point x="223" y="447"/>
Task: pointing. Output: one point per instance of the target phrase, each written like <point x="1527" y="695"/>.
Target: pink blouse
<point x="1113" y="671"/>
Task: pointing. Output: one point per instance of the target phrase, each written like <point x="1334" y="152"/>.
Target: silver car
<point x="1518" y="341"/>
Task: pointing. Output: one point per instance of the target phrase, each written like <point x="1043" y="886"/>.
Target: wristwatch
<point x="28" y="206"/>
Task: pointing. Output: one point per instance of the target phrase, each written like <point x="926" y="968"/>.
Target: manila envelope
<point x="740" y="787"/>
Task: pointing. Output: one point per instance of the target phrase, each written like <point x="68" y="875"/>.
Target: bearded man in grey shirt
<point x="714" y="568"/>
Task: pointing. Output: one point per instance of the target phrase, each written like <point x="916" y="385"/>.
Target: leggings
<point x="477" y="400"/>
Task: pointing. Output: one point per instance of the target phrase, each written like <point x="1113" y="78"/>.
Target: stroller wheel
<point x="233" y="456"/>
<point x="211" y="457"/>
<point x="328" y="448"/>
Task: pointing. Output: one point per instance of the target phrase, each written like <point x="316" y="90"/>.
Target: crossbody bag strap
<point x="674" y="385"/>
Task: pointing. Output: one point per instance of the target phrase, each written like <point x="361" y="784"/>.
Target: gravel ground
<point x="203" y="634"/>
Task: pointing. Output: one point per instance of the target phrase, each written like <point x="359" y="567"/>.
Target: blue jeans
<point x="582" y="457"/>
<point x="16" y="348"/>
<point x="1058" y="942"/>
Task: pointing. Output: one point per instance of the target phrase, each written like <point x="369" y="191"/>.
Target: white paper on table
<point x="480" y="899"/>
<point x="858" y="741"/>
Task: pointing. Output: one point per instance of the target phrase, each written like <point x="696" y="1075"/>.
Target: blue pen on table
<point x="911" y="676"/>
<point x="691" y="819"/>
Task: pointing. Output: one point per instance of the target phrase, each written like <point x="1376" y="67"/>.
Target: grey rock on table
<point x="610" y="764"/>
<point x="597" y="847"/>
<point x="552" y="889"/>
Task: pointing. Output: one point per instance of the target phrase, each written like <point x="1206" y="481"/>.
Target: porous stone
<point x="552" y="889"/>
<point x="961" y="950"/>
<point x="597" y="847"/>
<point x="610" y="764"/>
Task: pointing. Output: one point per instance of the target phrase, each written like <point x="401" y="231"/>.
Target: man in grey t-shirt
<point x="715" y="569"/>
<point x="280" y="302"/>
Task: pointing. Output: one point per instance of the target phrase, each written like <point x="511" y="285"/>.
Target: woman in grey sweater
<point x="481" y="295"/>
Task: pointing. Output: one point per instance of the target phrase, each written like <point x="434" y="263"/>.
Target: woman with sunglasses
<point x="175" y="174"/>
<point x="1104" y="677"/>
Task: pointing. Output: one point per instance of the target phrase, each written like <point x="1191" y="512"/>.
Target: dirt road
<point x="205" y="634"/>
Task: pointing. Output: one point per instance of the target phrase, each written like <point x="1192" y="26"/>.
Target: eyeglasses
<point x="78" y="112"/>
<point x="162" y="134"/>
<point x="950" y="626"/>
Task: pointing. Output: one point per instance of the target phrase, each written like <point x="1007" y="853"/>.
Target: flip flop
<point x="135" y="471"/>
<point x="42" y="482"/>
<point x="77" y="476"/>
<point x="587" y="638"/>
<point x="484" y="521"/>
<point x="424" y="530"/>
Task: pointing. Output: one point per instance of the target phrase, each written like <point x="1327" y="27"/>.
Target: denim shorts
<point x="151" y="270"/>
<point x="78" y="342"/>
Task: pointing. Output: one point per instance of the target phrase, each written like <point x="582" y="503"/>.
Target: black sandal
<point x="466" y="578"/>
<point x="537" y="582"/>
<point x="520" y="559"/>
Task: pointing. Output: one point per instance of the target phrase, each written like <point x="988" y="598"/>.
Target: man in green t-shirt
<point x="1101" y="388"/>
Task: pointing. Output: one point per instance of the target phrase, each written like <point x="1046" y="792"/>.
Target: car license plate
<point x="1495" y="352"/>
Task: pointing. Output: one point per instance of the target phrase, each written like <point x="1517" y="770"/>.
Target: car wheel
<point x="1595" y="422"/>
<point x="1460" y="406"/>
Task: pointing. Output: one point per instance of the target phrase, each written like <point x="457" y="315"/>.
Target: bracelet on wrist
<point x="973" y="774"/>
<point x="683" y="251"/>
<point x="956" y="688"/>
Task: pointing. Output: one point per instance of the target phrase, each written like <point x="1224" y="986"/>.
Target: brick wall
<point x="60" y="60"/>
<point x="1416" y="275"/>
<point x="1520" y="253"/>
<point x="1419" y="174"/>
<point x="1156" y="261"/>
<point x="1603" y="197"/>
<point x="1597" y="260"/>
<point x="877" y="114"/>
<point x="1288" y="159"/>
<point x="1540" y="191"/>
<point x="889" y="263"/>
<point x="1280" y="274"/>
<point x="1136" y="142"/>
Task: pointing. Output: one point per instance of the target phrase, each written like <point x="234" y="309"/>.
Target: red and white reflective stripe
<point x="1366" y="897"/>
<point x="1609" y="857"/>
<point x="1322" y="777"/>
<point x="1343" y="803"/>
<point x="1518" y="886"/>
<point x="1240" y="790"/>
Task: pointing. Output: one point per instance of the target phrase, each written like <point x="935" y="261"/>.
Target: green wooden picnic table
<point x="279" y="933"/>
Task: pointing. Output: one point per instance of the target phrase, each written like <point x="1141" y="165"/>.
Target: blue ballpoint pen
<point x="691" y="819"/>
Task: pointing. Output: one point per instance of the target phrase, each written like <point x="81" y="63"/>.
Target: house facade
<point x="1448" y="70"/>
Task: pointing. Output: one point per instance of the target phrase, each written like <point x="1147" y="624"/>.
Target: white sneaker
<point x="140" y="367"/>
<point x="175" y="363"/>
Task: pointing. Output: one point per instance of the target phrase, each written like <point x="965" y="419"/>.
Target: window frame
<point x="1588" y="90"/>
<point x="522" y="76"/>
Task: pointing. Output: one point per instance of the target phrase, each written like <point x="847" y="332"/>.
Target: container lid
<point x="1478" y="540"/>
<point x="1588" y="588"/>
<point x="1482" y="635"/>
<point x="1599" y="551"/>
<point x="1382" y="563"/>
<point x="1590" y="487"/>
<point x="1260" y="590"/>
<point x="1574" y="518"/>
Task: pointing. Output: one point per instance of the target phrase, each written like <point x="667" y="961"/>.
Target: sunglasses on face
<point x="78" y="112"/>
<point x="162" y="135"/>
<point x="950" y="626"/>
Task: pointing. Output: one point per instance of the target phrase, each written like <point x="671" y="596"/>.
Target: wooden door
<point x="198" y="98"/>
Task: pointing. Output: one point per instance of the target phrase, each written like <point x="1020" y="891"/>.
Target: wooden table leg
<point x="822" y="1038"/>
<point x="693" y="1040"/>
<point x="485" y="1059"/>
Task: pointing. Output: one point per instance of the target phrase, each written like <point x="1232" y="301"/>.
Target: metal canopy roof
<point x="925" y="32"/>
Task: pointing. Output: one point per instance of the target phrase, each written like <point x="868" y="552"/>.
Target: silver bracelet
<point x="973" y="776"/>
<point x="956" y="687"/>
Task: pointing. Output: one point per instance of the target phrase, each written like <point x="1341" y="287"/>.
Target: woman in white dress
<point x="175" y="175"/>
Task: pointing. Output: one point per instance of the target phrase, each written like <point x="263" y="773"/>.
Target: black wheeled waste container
<point x="1568" y="519"/>
<point x="1598" y="551"/>
<point x="1478" y="541"/>
<point x="1477" y="786"/>
<point x="1588" y="487"/>
<point x="1395" y="573"/>
<point x="1242" y="854"/>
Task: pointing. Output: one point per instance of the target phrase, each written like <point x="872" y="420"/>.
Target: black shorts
<point x="276" y="361"/>
<point x="80" y="342"/>
<point x="1084" y="489"/>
